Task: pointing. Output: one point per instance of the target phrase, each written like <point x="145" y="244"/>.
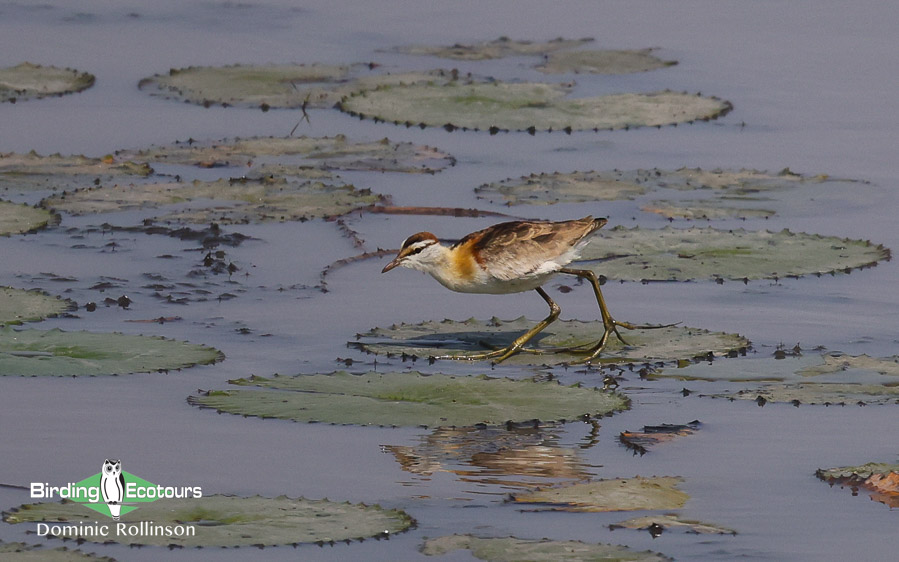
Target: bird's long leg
<point x="610" y="325"/>
<point x="502" y="354"/>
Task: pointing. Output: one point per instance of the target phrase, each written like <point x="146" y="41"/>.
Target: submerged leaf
<point x="603" y="62"/>
<point x="57" y="353"/>
<point x="821" y="393"/>
<point x="30" y="81"/>
<point x="526" y="106"/>
<point x="18" y="306"/>
<point x="640" y="441"/>
<point x="673" y="521"/>
<point x="674" y="254"/>
<point x="622" y="494"/>
<point x="458" y="339"/>
<point x="703" y="209"/>
<point x="498" y="48"/>
<point x="324" y="153"/>
<point x="409" y="399"/>
<point x="511" y="549"/>
<point x="853" y="366"/>
<point x="228" y="521"/>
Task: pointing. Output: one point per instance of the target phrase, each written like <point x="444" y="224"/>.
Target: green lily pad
<point x="227" y="521"/>
<point x="31" y="81"/>
<point x="409" y="399"/>
<point x="755" y="369"/>
<point x="18" y="306"/>
<point x="18" y="219"/>
<point x="458" y="339"/>
<point x="621" y="494"/>
<point x="31" y="171"/>
<point x="57" y="353"/>
<point x="22" y="552"/>
<point x="820" y="393"/>
<point x="704" y="209"/>
<point x="580" y="187"/>
<point x="226" y="201"/>
<point x="273" y="86"/>
<point x="525" y="106"/>
<point x="325" y="153"/>
<point x="511" y="549"/>
<point x="673" y="254"/>
<point x="485" y="50"/>
<point x="850" y="366"/>
<point x="673" y="521"/>
<point x="603" y="62"/>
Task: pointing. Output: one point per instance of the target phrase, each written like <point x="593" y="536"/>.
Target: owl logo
<point x="112" y="485"/>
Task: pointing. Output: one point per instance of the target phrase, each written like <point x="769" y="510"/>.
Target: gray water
<point x="814" y="86"/>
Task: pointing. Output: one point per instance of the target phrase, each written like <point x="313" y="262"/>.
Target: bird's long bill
<point x="391" y="265"/>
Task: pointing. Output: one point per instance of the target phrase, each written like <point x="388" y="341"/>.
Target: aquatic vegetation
<point x="621" y="494"/>
<point x="880" y="479"/>
<point x="704" y="209"/>
<point x="409" y="399"/>
<point x="674" y="254"/>
<point x="658" y="524"/>
<point x="18" y="219"/>
<point x="511" y="549"/>
<point x="22" y="552"/>
<point x="602" y="62"/>
<point x="56" y="353"/>
<point x="31" y="171"/>
<point x="308" y="154"/>
<point x="18" y="306"/>
<point x="458" y="339"/>
<point x="229" y="521"/>
<point x="495" y="49"/>
<point x="32" y="81"/>
<point x="525" y="106"/>
<point x="641" y="441"/>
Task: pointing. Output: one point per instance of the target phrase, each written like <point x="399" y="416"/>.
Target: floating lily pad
<point x="881" y="479"/>
<point x="641" y="441"/>
<point x="459" y="339"/>
<point x="672" y="254"/>
<point x="498" y="48"/>
<point x="21" y="552"/>
<point x="59" y="354"/>
<point x="820" y="393"/>
<point x="704" y="209"/>
<point x="25" y="172"/>
<point x="603" y="62"/>
<point x="672" y="521"/>
<point x="579" y="187"/>
<point x="31" y="81"/>
<point x="528" y="107"/>
<point x="226" y="201"/>
<point x="511" y="549"/>
<point x="409" y="399"/>
<point x="271" y="86"/>
<point x="851" y="366"/>
<point x="227" y="521"/>
<point x="622" y="494"/>
<point x="757" y="369"/>
<point x="18" y="306"/>
<point x="17" y="219"/>
<point x="326" y="153"/>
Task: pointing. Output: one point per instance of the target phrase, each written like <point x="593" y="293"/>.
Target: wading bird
<point x="512" y="257"/>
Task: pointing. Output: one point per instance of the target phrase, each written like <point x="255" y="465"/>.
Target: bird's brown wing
<point x="511" y="250"/>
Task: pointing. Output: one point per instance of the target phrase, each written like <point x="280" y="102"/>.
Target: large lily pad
<point x="17" y="219"/>
<point x="327" y="153"/>
<point x="661" y="523"/>
<point x="458" y="339"/>
<point x="22" y="552"/>
<point x="579" y="187"/>
<point x="409" y="399"/>
<point x="511" y="549"/>
<point x="227" y="521"/>
<point x="526" y="107"/>
<point x="226" y="201"/>
<point x="671" y="254"/>
<point x="603" y="62"/>
<point x="18" y="306"/>
<point x="498" y="48"/>
<point x="881" y="479"/>
<point x="621" y="494"/>
<point x="57" y="353"/>
<point x="30" y="81"/>
<point x="273" y="85"/>
<point x="24" y="172"/>
<point x="704" y="209"/>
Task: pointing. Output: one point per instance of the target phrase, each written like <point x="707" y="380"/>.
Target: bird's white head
<point x="421" y="251"/>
